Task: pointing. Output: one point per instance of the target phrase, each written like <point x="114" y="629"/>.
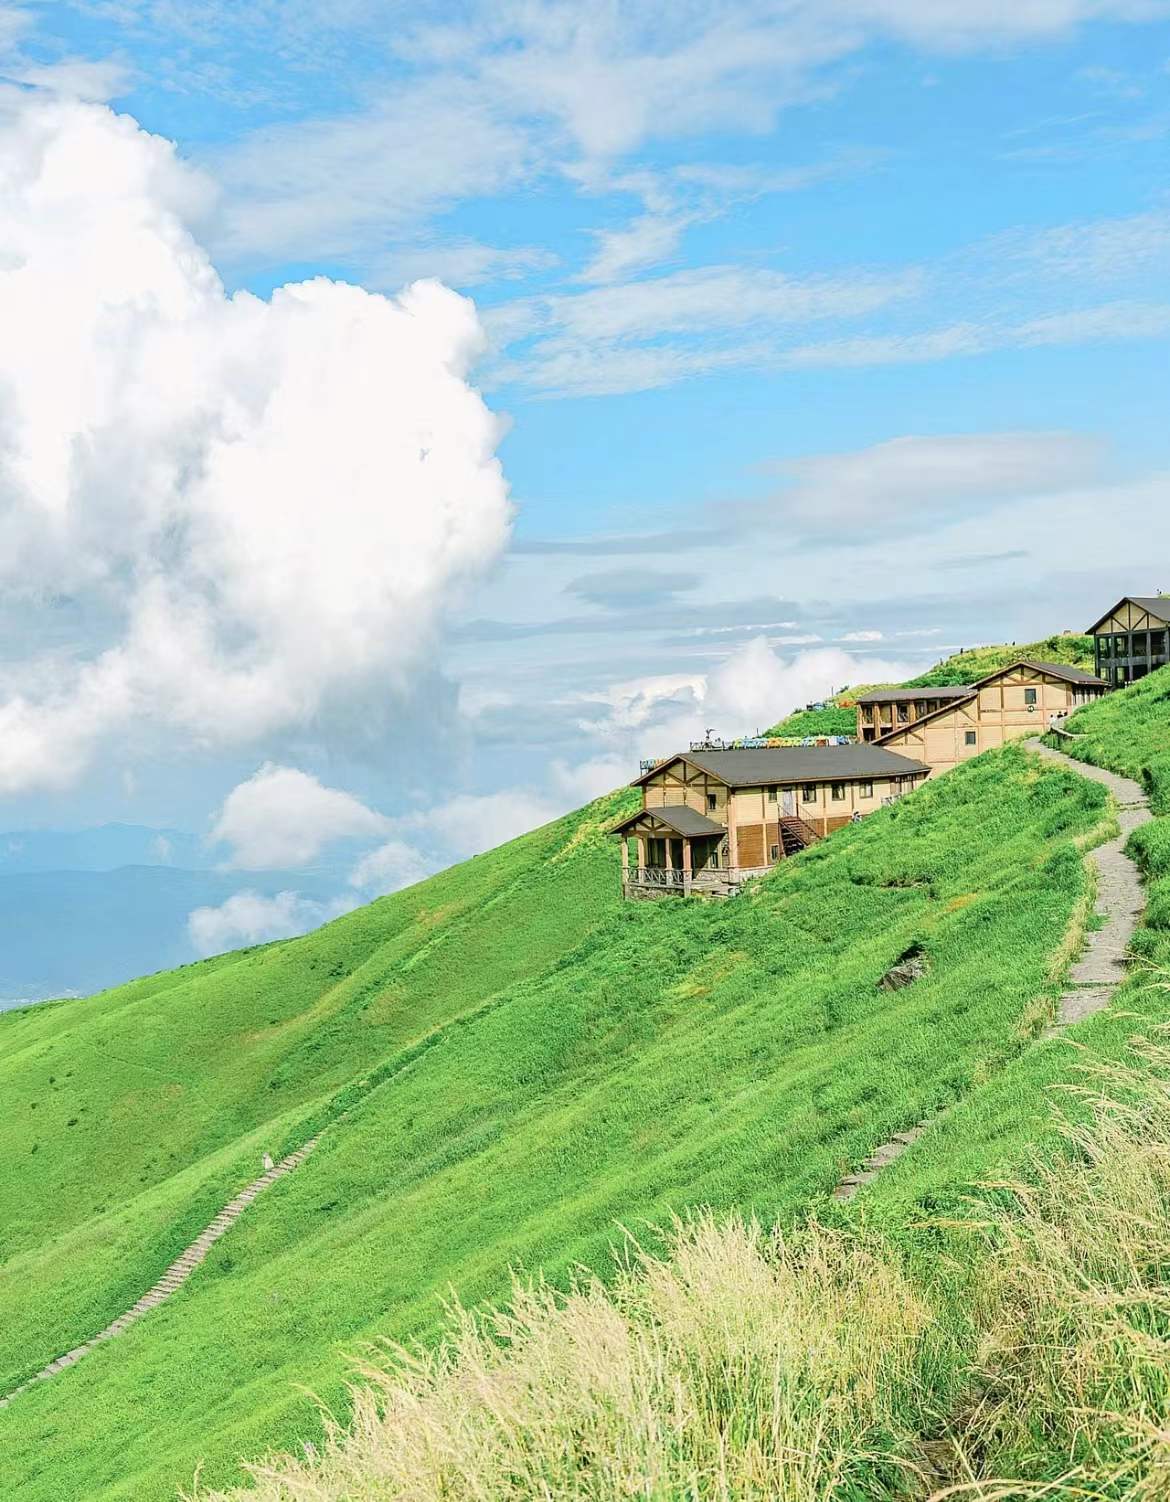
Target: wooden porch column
<point x="625" y="863"/>
<point x="686" y="867"/>
<point x="641" y="839"/>
<point x="732" y="843"/>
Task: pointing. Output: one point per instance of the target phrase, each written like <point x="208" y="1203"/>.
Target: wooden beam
<point x="732" y="843"/>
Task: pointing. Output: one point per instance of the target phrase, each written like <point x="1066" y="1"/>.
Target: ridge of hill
<point x="503" y="1064"/>
<point x="967" y="666"/>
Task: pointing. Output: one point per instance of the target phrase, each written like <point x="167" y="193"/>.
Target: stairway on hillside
<point x="796" y="835"/>
<point x="178" y="1272"/>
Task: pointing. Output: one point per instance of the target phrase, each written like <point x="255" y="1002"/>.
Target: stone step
<point x="177" y="1273"/>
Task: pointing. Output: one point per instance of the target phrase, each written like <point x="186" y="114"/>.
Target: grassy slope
<point x="734" y="1055"/>
<point x="967" y="667"/>
<point x="1040" y="1348"/>
<point x="130" y="1117"/>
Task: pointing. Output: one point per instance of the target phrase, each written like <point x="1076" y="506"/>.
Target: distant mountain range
<point x="82" y="910"/>
<point x="102" y="849"/>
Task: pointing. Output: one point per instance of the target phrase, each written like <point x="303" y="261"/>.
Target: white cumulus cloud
<point x="388" y="868"/>
<point x="249" y="917"/>
<point x="257" y="508"/>
<point x="283" y="817"/>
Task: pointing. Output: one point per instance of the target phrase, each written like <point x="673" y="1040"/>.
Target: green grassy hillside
<point x="977" y="662"/>
<point x="132" y="1116"/>
<point x="508" y="1064"/>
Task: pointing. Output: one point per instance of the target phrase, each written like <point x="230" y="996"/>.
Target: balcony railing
<point x="658" y="876"/>
<point x="719" y="879"/>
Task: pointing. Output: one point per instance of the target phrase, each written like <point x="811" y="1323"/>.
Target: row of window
<point x="809" y="793"/>
<point x="1128" y="644"/>
<point x="902" y="710"/>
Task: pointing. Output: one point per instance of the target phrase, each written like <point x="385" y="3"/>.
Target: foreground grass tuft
<point x="1073" y="1377"/>
<point x="743" y="1365"/>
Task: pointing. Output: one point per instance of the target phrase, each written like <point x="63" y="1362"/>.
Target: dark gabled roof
<point x="1053" y="669"/>
<point x="900" y="695"/>
<point x="1155" y="605"/>
<point x="776" y="764"/>
<point x="676" y="816"/>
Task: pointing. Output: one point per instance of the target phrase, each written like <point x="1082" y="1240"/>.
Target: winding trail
<point x="178" y="1272"/>
<point x="1096" y="975"/>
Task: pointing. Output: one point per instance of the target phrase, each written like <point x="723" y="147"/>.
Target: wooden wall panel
<point x="750" y="839"/>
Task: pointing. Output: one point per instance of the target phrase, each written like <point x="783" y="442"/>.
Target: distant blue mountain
<point x="73" y="932"/>
<point x="102" y="849"/>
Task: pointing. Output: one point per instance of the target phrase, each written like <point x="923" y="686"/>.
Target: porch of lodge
<point x="680" y="851"/>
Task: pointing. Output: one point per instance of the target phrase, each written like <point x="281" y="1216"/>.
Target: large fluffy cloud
<point x="282" y="817"/>
<point x="257" y="507"/>
<point x="749" y="690"/>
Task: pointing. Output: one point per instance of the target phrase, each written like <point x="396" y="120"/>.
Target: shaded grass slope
<point x="670" y="1055"/>
<point x="832" y="720"/>
<point x="997" y="1128"/>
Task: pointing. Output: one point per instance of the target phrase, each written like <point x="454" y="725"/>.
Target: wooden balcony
<point x="673" y="881"/>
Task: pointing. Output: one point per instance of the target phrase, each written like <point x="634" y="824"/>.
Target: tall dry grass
<point x="743" y="1365"/>
<point x="1073" y="1374"/>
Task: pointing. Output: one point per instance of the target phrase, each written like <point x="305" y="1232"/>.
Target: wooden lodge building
<point x="710" y="819"/>
<point x="713" y="817"/>
<point x="1131" y="640"/>
<point x="1008" y="704"/>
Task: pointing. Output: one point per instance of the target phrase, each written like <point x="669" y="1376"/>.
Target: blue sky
<point x="823" y="338"/>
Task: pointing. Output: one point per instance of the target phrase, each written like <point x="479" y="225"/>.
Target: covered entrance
<point x="677" y="849"/>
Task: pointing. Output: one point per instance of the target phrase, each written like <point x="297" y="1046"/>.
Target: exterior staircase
<point x="796" y="835"/>
<point x="178" y="1272"/>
